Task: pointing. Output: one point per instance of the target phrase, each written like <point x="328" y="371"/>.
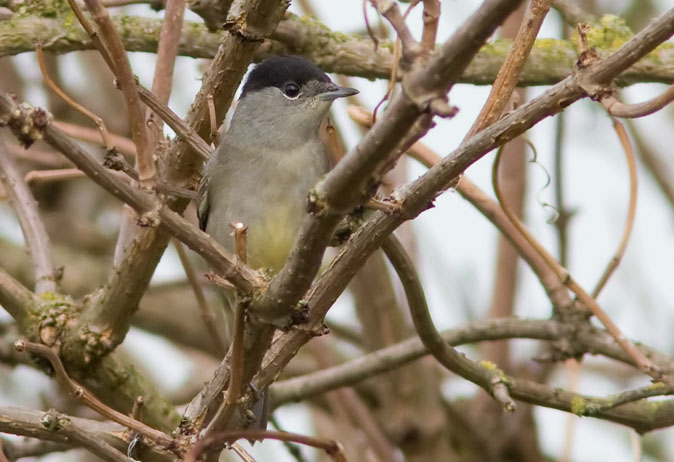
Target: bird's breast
<point x="268" y="194"/>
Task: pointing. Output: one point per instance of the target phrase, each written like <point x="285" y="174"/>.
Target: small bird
<point x="270" y="158"/>
<point x="262" y="171"/>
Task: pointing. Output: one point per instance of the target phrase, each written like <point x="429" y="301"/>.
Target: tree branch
<point x="73" y="431"/>
<point x="549" y="62"/>
<point x="32" y="226"/>
<point x="16" y="299"/>
<point x="598" y="342"/>
<point x="416" y="196"/>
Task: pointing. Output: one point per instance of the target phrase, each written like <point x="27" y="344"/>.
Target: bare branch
<point x="183" y="130"/>
<point x="90" y="400"/>
<point x="416" y="196"/>
<point x="32" y="226"/>
<point x="205" y="309"/>
<point x="121" y="68"/>
<point x="431" y="17"/>
<point x="485" y="375"/>
<point x="125" y="145"/>
<point x="410" y="47"/>
<point x="332" y="448"/>
<point x="105" y="136"/>
<point x="392" y="357"/>
<point x="619" y="109"/>
<point x="508" y="75"/>
<point x="15" y="298"/>
<point x="74" y="431"/>
<point x="549" y="62"/>
<point x="631" y="209"/>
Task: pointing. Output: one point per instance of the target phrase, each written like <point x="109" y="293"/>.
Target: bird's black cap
<point x="277" y="71"/>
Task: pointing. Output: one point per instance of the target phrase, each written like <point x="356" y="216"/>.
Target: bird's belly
<point x="271" y="237"/>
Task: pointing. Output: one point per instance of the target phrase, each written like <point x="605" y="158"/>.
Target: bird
<point x="268" y="161"/>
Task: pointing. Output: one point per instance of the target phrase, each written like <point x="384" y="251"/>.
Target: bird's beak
<point x="333" y="91"/>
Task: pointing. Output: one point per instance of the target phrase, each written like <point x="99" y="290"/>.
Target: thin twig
<point x="77" y="391"/>
<point x="411" y="49"/>
<point x="214" y="137"/>
<point x="237" y="355"/>
<point x="33" y="228"/>
<point x="431" y="18"/>
<point x="372" y="35"/>
<point x="147" y="174"/>
<point x="167" y="50"/>
<point x="122" y="143"/>
<point x="643" y="363"/>
<point x="105" y="135"/>
<point x="43" y="176"/>
<point x="206" y="311"/>
<point x="507" y="77"/>
<point x="631" y="209"/>
<point x="485" y="375"/>
<point x="182" y="129"/>
<point x="332" y="448"/>
<point x="93" y="35"/>
<point x="619" y="109"/>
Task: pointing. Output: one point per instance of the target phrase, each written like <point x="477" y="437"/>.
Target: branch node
<point x="26" y="122"/>
<point x="300" y="314"/>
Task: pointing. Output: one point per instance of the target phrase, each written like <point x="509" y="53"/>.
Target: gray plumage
<point x="270" y="158"/>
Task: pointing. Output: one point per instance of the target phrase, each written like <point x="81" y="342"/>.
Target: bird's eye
<point x="291" y="90"/>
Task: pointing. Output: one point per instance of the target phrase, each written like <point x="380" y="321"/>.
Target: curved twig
<point x="103" y="130"/>
<point x="77" y="391"/>
<point x="588" y="301"/>
<point x="486" y="375"/>
<point x="631" y="209"/>
<point x="617" y="108"/>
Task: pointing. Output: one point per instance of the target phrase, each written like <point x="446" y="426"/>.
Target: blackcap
<point x="270" y="158"/>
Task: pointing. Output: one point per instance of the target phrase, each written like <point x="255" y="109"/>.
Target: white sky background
<point x="457" y="245"/>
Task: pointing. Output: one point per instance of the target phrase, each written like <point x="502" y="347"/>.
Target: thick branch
<point x="550" y="60"/>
